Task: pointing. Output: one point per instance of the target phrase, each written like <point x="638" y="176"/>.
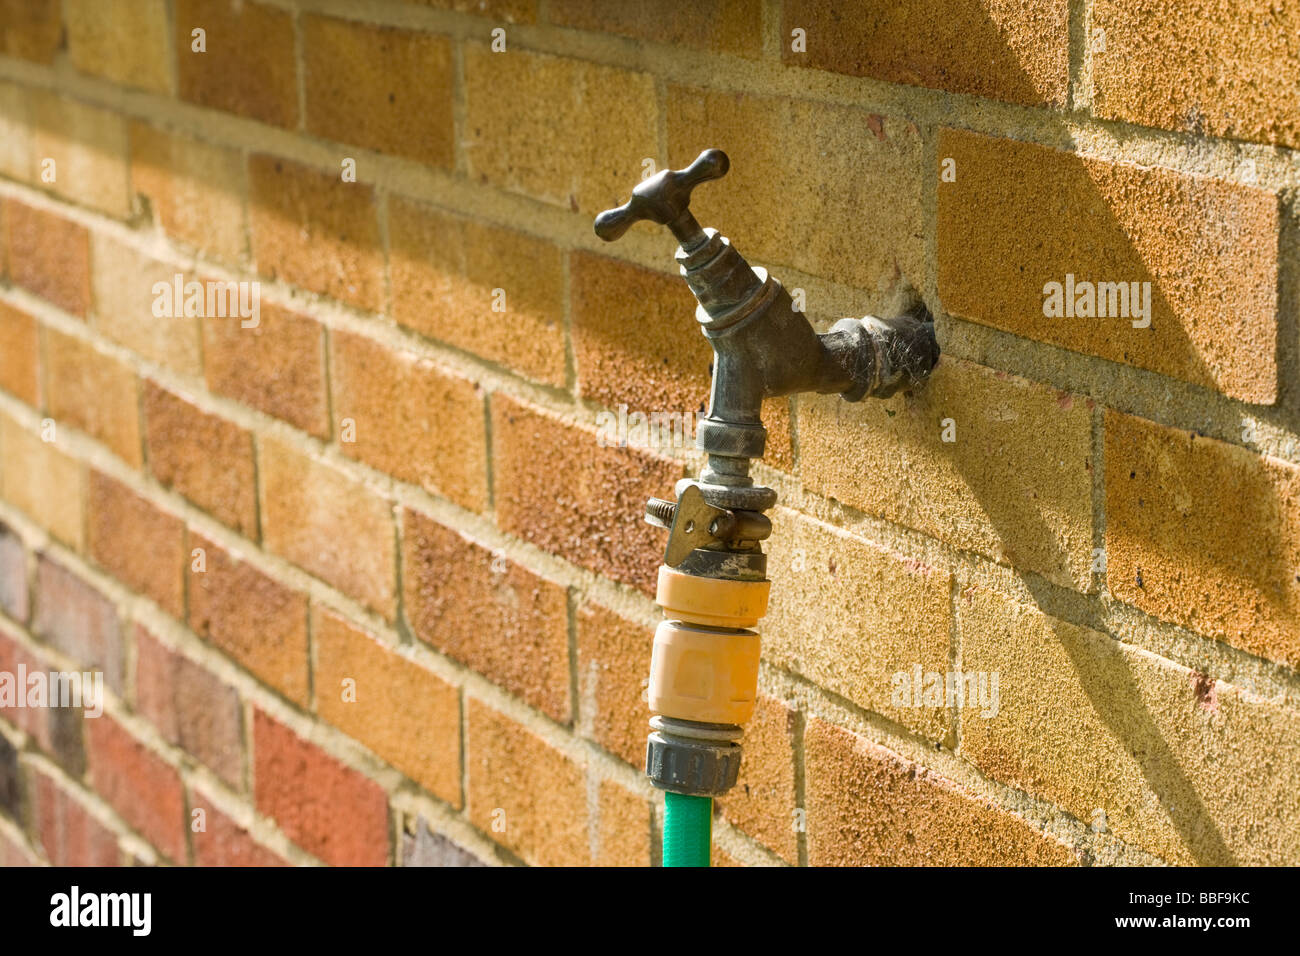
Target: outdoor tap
<point x="763" y="345"/>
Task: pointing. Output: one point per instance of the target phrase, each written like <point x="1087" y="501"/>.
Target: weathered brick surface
<point x="1001" y="49"/>
<point x="14" y="598"/>
<point x="426" y="848"/>
<point x="556" y="487"/>
<point x="405" y="713"/>
<point x="191" y="707"/>
<point x="88" y="147"/>
<point x="223" y="842"/>
<point x="487" y="612"/>
<point x="560" y="130"/>
<point x="204" y="457"/>
<point x="10" y="781"/>
<point x="248" y="67"/>
<point x="94" y="393"/>
<point x="55" y="729"/>
<point x="625" y="828"/>
<point x="76" y="619"/>
<point x="1019" y="216"/>
<point x="522" y="791"/>
<point x="276" y="366"/>
<point x="449" y="273"/>
<point x="1163" y="757"/>
<point x="867" y="806"/>
<point x="613" y="675"/>
<point x="251" y="617"/>
<point x="136" y="542"/>
<point x="1230" y="61"/>
<point x="121" y="40"/>
<point x="67" y="832"/>
<point x="777" y="211"/>
<point x="38" y="478"/>
<point x="15" y="138"/>
<point x="1015" y="484"/>
<point x="763" y="801"/>
<point x="312" y="229"/>
<point x="382" y="88"/>
<point x="144" y="789"/>
<point x="31" y="29"/>
<point x="306" y="502"/>
<point x="327" y="808"/>
<point x="731" y="26"/>
<point x="410" y="418"/>
<point x="194" y="188"/>
<point x="49" y="256"/>
<point x="1204" y="534"/>
<point x="19" y="350"/>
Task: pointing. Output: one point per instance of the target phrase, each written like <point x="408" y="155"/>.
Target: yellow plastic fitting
<point x="712" y="601"/>
<point x="709" y="676"/>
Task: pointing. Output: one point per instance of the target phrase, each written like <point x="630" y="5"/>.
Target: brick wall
<point x="364" y="586"/>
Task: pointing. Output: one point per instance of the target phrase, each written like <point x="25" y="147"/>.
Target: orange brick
<point x="410" y="418"/>
<point x="196" y="190"/>
<point x="1204" y="534"/>
<point x="223" y="842"/>
<point x="305" y="506"/>
<point x="1006" y="50"/>
<point x="1220" y="70"/>
<point x="867" y="806"/>
<point x="140" y="545"/>
<point x="1164" y="758"/>
<point x="511" y="11"/>
<point x="448" y="273"/>
<point x="763" y="801"/>
<point x="731" y="26"/>
<point x="31" y="29"/>
<point x="626" y="827"/>
<point x="143" y="788"/>
<point x="38" y="478"/>
<point x="94" y="393"/>
<point x="192" y="708"/>
<point x="249" y="64"/>
<point x="524" y="793"/>
<point x="1019" y="216"/>
<point x="15" y="138"/>
<point x="773" y="202"/>
<point x="556" y="487"/>
<point x="489" y="613"/>
<point x="326" y="807"/>
<point x="249" y="616"/>
<point x="87" y="146"/>
<point x="19" y="347"/>
<point x="613" y="674"/>
<point x="277" y="366"/>
<point x="121" y="40"/>
<point x="312" y="229"/>
<point x="204" y="457"/>
<point x="49" y="256"/>
<point x="383" y="88"/>
<point x="1014" y="483"/>
<point x="405" y="713"/>
<point x="566" y="132"/>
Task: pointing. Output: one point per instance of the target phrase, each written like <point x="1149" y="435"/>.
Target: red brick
<point x="1002" y="49"/>
<point x="56" y="730"/>
<point x="192" y="708"/>
<point x="14" y="599"/>
<point x="613" y="674"/>
<point x="383" y="88"/>
<point x="327" y="808"/>
<point x="68" y="834"/>
<point x="405" y="713"/>
<point x="223" y="842"/>
<point x="556" y="487"/>
<point x="14" y="853"/>
<point x="251" y="617"/>
<point x="76" y="619"/>
<point x="249" y="67"/>
<point x="411" y="419"/>
<point x="277" y="366"/>
<point x="204" y="457"/>
<point x="491" y="614"/>
<point x="140" y="545"/>
<point x="144" y="789"/>
<point x="19" y="347"/>
<point x="49" y="256"/>
<point x="311" y="229"/>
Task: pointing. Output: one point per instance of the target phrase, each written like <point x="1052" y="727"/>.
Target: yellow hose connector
<point x="714" y="602"/>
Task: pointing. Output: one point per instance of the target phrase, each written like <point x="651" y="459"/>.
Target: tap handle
<point x="665" y="198"/>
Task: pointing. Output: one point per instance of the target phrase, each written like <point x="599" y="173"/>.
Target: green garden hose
<point x="688" y="829"/>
